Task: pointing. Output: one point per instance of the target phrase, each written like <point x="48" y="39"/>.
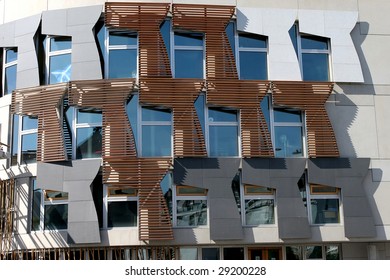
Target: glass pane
<point x="252" y="41"/>
<point x="56" y="195"/>
<point x="290" y="116"/>
<point x="184" y="58"/>
<point x="10" y="79"/>
<point x="166" y="187"/>
<point x="36" y="209"/>
<point x="89" y="116"/>
<point x="236" y="188"/>
<point x="199" y="107"/>
<point x="89" y="142"/>
<point x="122" y="38"/>
<point x="122" y="192"/>
<point x="191" y="212"/>
<point x="315" y="67"/>
<point x="122" y="214"/>
<point x="253" y="65"/>
<point x="325" y="211"/>
<point x="165" y="30"/>
<point x="293" y="253"/>
<point x="320" y="189"/>
<point x="154" y="114"/>
<point x="288" y="141"/>
<point x="223" y="141"/>
<point x="332" y="252"/>
<point x="29" y="148"/>
<point x="314" y="43"/>
<point x="230" y="34"/>
<point x="56" y="216"/>
<point x="60" y="68"/>
<point x="122" y="64"/>
<point x="294" y="38"/>
<point x="185" y="190"/>
<point x="60" y="43"/>
<point x="15" y="139"/>
<point x="188" y="39"/>
<point x="188" y="253"/>
<point x="11" y="55"/>
<point x="156" y="140"/>
<point x="221" y="115"/>
<point x="210" y="253"/>
<point x="259" y="211"/>
<point x="250" y="189"/>
<point x="313" y="252"/>
<point x="264" y="104"/>
<point x="233" y="253"/>
<point x="29" y="123"/>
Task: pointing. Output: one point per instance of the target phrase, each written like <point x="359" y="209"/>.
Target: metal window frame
<point x="49" y="54"/>
<point x="7" y="65"/>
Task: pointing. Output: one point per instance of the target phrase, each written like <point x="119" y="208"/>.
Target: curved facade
<point x="180" y="130"/>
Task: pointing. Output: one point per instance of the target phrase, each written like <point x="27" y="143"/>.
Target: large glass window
<point x="188" y="55"/>
<point x="252" y="57"/>
<point x="10" y="57"/>
<point x="310" y="252"/>
<point x="223" y="132"/>
<point x="259" y="205"/>
<point x="191" y="206"/>
<point x="58" y="59"/>
<point x="122" y="207"/>
<point x="24" y="139"/>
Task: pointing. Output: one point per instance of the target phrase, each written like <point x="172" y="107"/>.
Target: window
<point x="223" y="132"/>
<point x="252" y="57"/>
<point x="188" y="253"/>
<point x="58" y="59"/>
<point x="259" y="205"/>
<point x="188" y="51"/>
<point x="122" y="207"/>
<point x="10" y="57"/>
<point x="328" y="252"/>
<point x="122" y="54"/>
<point x="191" y="206"/>
<point x="156" y="136"/>
<point x="233" y="253"/>
<point x="49" y="209"/>
<point x="210" y="253"/>
<point x="24" y="139"/>
<point x="322" y="202"/>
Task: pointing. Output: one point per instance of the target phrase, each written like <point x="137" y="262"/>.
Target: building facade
<point x="194" y="130"/>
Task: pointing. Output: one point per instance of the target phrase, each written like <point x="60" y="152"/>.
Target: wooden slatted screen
<point x="211" y="20"/>
<point x="311" y="98"/>
<point x="145" y="18"/>
<point x="7" y="192"/>
<point x="44" y="102"/>
<point x="180" y="95"/>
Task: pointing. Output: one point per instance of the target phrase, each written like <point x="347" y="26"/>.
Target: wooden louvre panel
<point x="211" y="20"/>
<point x="310" y="97"/>
<point x="245" y="96"/>
<point x="145" y="18"/>
<point x="7" y="197"/>
<point x="180" y="95"/>
<point x="44" y="102"/>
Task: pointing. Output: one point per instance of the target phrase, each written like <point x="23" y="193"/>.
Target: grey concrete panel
<point x="292" y="207"/>
<point x="86" y="70"/>
<point x="82" y="170"/>
<point x="222" y="208"/>
<point x="84" y="15"/>
<point x="29" y="61"/>
<point x="256" y="171"/>
<point x="84" y="52"/>
<point x="220" y="167"/>
<point x="54" y="22"/>
<point x="7" y="35"/>
<point x="356" y="207"/>
<point x="78" y="190"/>
<point x="220" y="188"/>
<point x="288" y="167"/>
<point x="27" y="78"/>
<point x="357" y="227"/>
<point x="226" y="229"/>
<point x="28" y="25"/>
<point x="80" y="233"/>
<point x="84" y="34"/>
<point x="188" y="171"/>
<point x="294" y="228"/>
<point x="50" y="176"/>
<point x="351" y="186"/>
<point x="286" y="187"/>
<point x="81" y="211"/>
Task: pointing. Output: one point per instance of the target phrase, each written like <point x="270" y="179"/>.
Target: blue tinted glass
<point x="89" y="116"/>
<point x="122" y="64"/>
<point x="165" y="30"/>
<point x="89" y="142"/>
<point x="199" y="107"/>
<point x="315" y="43"/>
<point x="265" y="109"/>
<point x="166" y="187"/>
<point x="121" y="38"/>
<point x="10" y="79"/>
<point x="288" y="141"/>
<point x="230" y="34"/>
<point x="60" y="68"/>
<point x="11" y="55"/>
<point x="154" y="114"/>
<point x="221" y="115"/>
<point x="29" y="148"/>
<point x="15" y="139"/>
<point x="223" y="141"/>
<point x="60" y="43"/>
<point x="188" y="39"/>
<point x="122" y="214"/>
<point x="252" y="41"/>
<point x="283" y="115"/>
<point x="315" y="67"/>
<point x="325" y="211"/>
<point x="56" y="217"/>
<point x="156" y="140"/>
<point x="131" y="109"/>
<point x="294" y="39"/>
<point x="253" y="65"/>
<point x="188" y="64"/>
<point x="29" y="123"/>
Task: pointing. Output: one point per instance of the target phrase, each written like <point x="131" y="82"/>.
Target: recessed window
<point x="252" y="57"/>
<point x="24" y="139"/>
<point x="122" y="207"/>
<point x="259" y="205"/>
<point x="191" y="206"/>
<point x="58" y="59"/>
<point x="10" y="58"/>
<point x="188" y="55"/>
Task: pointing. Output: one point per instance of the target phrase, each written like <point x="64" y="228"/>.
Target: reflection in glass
<point x="122" y="38"/>
<point x="189" y="64"/>
<point x="56" y="216"/>
<point x="60" y="68"/>
<point x="155" y="114"/>
<point x="29" y="148"/>
<point x="191" y="212"/>
<point x="325" y="210"/>
<point x="188" y="253"/>
<point x="315" y="67"/>
<point x="156" y="140"/>
<point x="314" y="43"/>
<point x="288" y="141"/>
<point x="221" y="115"/>
<point x="313" y="252"/>
<point x="89" y="142"/>
<point x="290" y="116"/>
<point x="122" y="64"/>
<point x="189" y="39"/>
<point x="89" y="116"/>
<point x="11" y="55"/>
<point x="252" y="41"/>
<point x="293" y="253"/>
<point x="259" y="211"/>
<point x="210" y="253"/>
<point x="60" y="43"/>
<point x="29" y="123"/>
<point x="332" y="252"/>
<point x="9" y="79"/>
<point x="122" y="214"/>
<point x="223" y="141"/>
<point x="253" y="65"/>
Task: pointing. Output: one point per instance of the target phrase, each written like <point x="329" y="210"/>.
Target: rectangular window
<point x="223" y="132"/>
<point x="252" y="56"/>
<point x="259" y="205"/>
<point x="310" y="252"/>
<point x="24" y="139"/>
<point x="122" y="207"/>
<point x="58" y="59"/>
<point x="210" y="254"/>
<point x="191" y="206"/>
<point x="188" y="55"/>
<point x="10" y="58"/>
<point x="188" y="253"/>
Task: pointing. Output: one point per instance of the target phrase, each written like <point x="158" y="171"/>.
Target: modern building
<point x="194" y="130"/>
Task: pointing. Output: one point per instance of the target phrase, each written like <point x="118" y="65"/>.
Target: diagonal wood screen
<point x="44" y="102"/>
<point x="7" y="204"/>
